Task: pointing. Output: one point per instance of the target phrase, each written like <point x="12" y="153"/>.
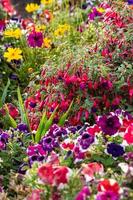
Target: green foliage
<point x="23" y="112"/>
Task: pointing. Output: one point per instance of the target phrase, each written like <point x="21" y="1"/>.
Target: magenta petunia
<point x="35" y="39"/>
<point x="109" y="124"/>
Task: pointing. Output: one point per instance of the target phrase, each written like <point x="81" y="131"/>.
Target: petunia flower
<point x="129" y="135"/>
<point x="130" y="2"/>
<point x="83" y="194"/>
<point x="115" y="150"/>
<point x="35" y="39"/>
<point x="46" y="173"/>
<point x="109" y="124"/>
<point x="107" y="195"/>
<point x="90" y="170"/>
<point x="109" y="185"/>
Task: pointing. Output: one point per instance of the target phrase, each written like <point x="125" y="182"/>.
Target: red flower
<point x="129" y="134"/>
<point x="35" y="195"/>
<point x="13" y="110"/>
<point x="61" y="175"/>
<point x="46" y="174"/>
<point x="92" y="130"/>
<point x="91" y="169"/>
<point x="108" y="185"/>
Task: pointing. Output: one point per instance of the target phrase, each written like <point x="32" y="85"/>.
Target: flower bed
<point x="66" y="101"/>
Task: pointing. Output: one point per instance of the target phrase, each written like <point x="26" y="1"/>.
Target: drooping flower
<point x="13" y="33"/>
<point x="13" y="54"/>
<point x="109" y="124"/>
<point x="31" y="7"/>
<point x="115" y="150"/>
<point x="35" y="39"/>
<point x="13" y="111"/>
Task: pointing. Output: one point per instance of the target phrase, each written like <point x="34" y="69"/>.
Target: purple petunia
<point x="94" y="13"/>
<point x="35" y="39"/>
<point x="86" y="140"/>
<point x="107" y="195"/>
<point x="115" y="150"/>
<point x="109" y="124"/>
<point x="22" y="127"/>
<point x="130" y="2"/>
<point x="83" y="194"/>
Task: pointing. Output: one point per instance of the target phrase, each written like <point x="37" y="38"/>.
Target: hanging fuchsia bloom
<point x="35" y="39"/>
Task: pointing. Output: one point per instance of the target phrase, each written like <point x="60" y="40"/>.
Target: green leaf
<point x="11" y="120"/>
<point x="4" y="95"/>
<point x="65" y="115"/>
<point x="49" y="121"/>
<point x="41" y="127"/>
<point x="23" y="113"/>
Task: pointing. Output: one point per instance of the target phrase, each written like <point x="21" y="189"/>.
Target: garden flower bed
<point x="66" y="100"/>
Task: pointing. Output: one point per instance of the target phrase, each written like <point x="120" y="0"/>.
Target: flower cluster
<point x="91" y="149"/>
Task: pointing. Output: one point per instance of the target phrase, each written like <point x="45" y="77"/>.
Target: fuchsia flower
<point x="35" y="39"/>
<point x="91" y="169"/>
<point x="13" y="111"/>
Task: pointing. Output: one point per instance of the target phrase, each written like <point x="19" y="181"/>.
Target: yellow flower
<point x="30" y="70"/>
<point x="47" y="42"/>
<point x="13" y="54"/>
<point x="40" y="28"/>
<point x="61" y="29"/>
<point x="14" y="33"/>
<point x="31" y="7"/>
<point x="101" y="10"/>
<point x="46" y="2"/>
